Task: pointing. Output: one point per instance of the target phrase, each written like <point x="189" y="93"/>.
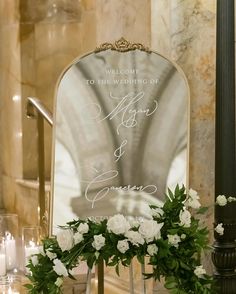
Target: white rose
<point x="157" y="212"/>
<point x="193" y="194"/>
<point x="99" y="242"/>
<point x="134" y="223"/>
<point x="51" y="255"/>
<point x="193" y="203"/>
<point x="193" y="200"/>
<point x="118" y="224"/>
<point x="221" y="200"/>
<point x="199" y="271"/>
<point x="183" y="236"/>
<point x="78" y="237"/>
<point x="34" y="260"/>
<point x="150" y="230"/>
<point x="231" y="199"/>
<point x="59" y="282"/>
<point x="134" y="237"/>
<point x="65" y="239"/>
<point x="123" y="246"/>
<point x="59" y="268"/>
<point x="174" y="240"/>
<point x="185" y="218"/>
<point x="83" y="228"/>
<point x="152" y="249"/>
<point x="220" y="229"/>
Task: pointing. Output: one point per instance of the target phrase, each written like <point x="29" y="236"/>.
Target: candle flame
<point x="31" y="243"/>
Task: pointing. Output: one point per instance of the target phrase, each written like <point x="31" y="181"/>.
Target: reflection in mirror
<point x="120" y="135"/>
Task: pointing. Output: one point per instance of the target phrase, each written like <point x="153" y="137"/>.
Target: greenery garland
<point x="172" y="241"/>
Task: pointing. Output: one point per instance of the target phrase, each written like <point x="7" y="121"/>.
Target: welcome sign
<point x="120" y="135"/>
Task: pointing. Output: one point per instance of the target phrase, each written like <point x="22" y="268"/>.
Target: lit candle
<point x="30" y="250"/>
<point x="10" y="244"/>
<point x="2" y="264"/>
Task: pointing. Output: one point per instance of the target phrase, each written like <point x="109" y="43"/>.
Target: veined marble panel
<point x="191" y="42"/>
<point x="124" y="18"/>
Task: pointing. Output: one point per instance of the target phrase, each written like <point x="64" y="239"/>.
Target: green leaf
<point x="202" y="210"/>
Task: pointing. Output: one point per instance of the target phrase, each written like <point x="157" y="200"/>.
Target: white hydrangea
<point x="174" y="240"/>
<point x="185" y="218"/>
<point x="134" y="237"/>
<point x="78" y="237"/>
<point x="83" y="228"/>
<point x="118" y="224"/>
<point x="59" y="282"/>
<point x="221" y="200"/>
<point x="65" y="239"/>
<point x="150" y="230"/>
<point x="34" y="260"/>
<point x="199" y="271"/>
<point x="50" y="254"/>
<point x="123" y="246"/>
<point x="152" y="249"/>
<point x="99" y="242"/>
<point x="59" y="268"/>
<point x="220" y="229"/>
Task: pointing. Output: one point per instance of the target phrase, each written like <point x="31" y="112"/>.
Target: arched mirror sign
<point x="120" y="135"/>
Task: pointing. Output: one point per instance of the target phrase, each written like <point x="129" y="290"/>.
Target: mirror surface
<point x="120" y="135"/>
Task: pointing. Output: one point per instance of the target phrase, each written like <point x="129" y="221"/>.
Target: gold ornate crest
<point x="122" y="45"/>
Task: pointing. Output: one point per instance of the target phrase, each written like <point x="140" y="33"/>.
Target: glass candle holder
<point x="10" y="285"/>
<point x="9" y="234"/>
<point x="31" y="240"/>
<point x="3" y="267"/>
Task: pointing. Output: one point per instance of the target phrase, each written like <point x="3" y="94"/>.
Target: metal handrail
<point x="37" y="110"/>
<point x="35" y="103"/>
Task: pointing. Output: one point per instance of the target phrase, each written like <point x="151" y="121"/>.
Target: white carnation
<point x="51" y="255"/>
<point x="185" y="218"/>
<point x="99" y="242"/>
<point x="134" y="237"/>
<point x="59" y="282"/>
<point x="118" y="224"/>
<point x="65" y="239"/>
<point x="150" y="230"/>
<point x="174" y="240"/>
<point x="157" y="212"/>
<point x="220" y="229"/>
<point x="199" y="271"/>
<point x="34" y="260"/>
<point x="83" y="228"/>
<point x="152" y="249"/>
<point x="59" y="268"/>
<point x="123" y="246"/>
<point x="78" y="237"/>
<point x="221" y="200"/>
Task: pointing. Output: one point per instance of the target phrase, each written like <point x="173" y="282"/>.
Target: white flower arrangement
<point x="172" y="241"/>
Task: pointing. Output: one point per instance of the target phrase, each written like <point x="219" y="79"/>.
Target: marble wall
<point x="10" y="99"/>
<point x="185" y="31"/>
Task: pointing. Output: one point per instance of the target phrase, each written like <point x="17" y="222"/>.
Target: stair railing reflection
<point x="35" y="109"/>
